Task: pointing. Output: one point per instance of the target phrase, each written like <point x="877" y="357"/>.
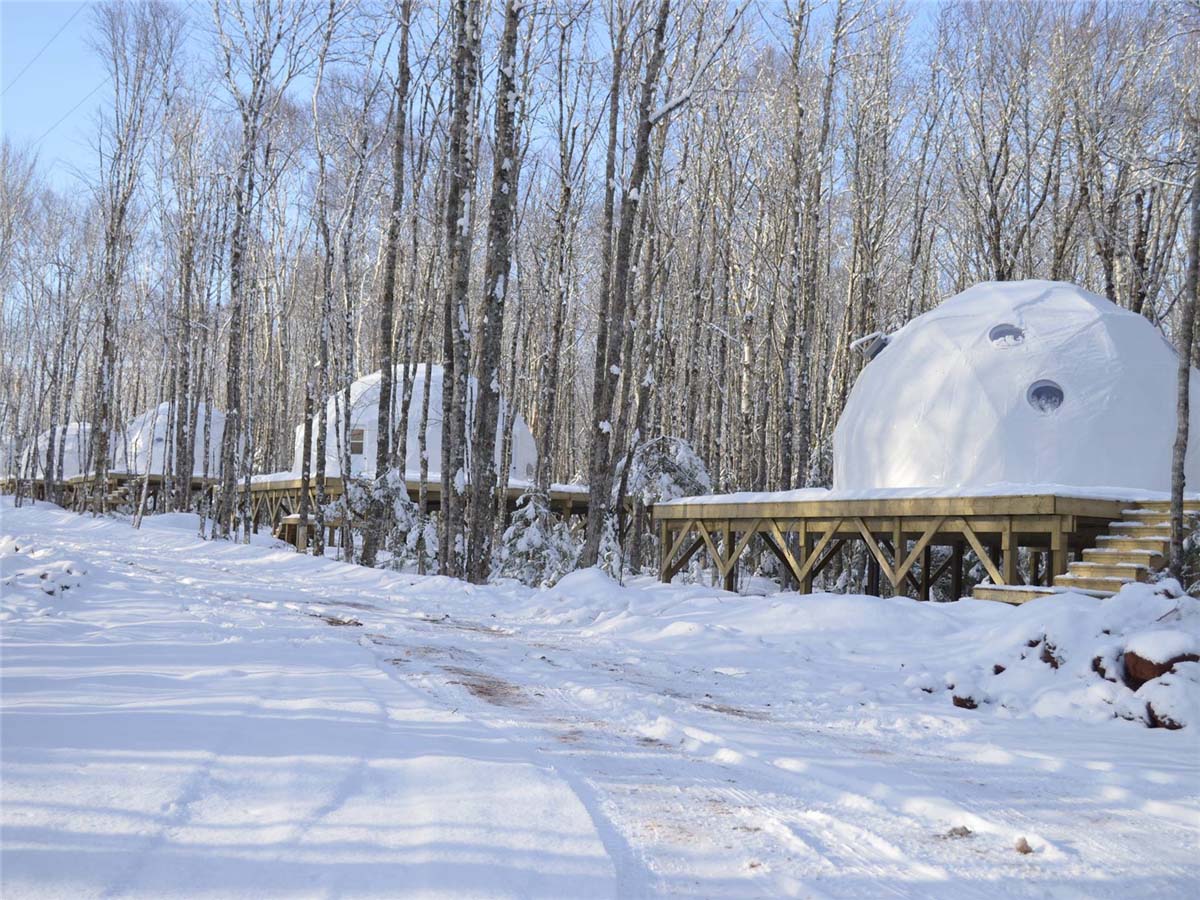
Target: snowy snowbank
<point x="218" y="719"/>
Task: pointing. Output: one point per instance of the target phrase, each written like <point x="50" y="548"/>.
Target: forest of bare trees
<point x="655" y="227"/>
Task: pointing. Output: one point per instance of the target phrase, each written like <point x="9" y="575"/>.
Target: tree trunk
<point x="505" y="178"/>
<point x="1187" y="327"/>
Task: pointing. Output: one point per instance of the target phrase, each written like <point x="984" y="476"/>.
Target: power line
<point x="90" y="93"/>
<point x="17" y="77"/>
<point x="72" y="109"/>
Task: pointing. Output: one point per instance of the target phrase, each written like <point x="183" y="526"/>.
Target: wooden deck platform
<point x="898" y="533"/>
<point x="270" y="499"/>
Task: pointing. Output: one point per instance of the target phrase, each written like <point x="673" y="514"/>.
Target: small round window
<point x="1006" y="335"/>
<point x="1045" y="396"/>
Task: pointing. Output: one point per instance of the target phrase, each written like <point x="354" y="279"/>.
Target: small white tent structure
<point x="75" y="440"/>
<point x="145" y="442"/>
<point x="1030" y="382"/>
<point x="364" y="429"/>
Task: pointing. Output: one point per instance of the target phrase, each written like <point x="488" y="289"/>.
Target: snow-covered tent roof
<point x="364" y="418"/>
<point x="75" y="440"/>
<point x="1029" y="382"/>
<point x="145" y="440"/>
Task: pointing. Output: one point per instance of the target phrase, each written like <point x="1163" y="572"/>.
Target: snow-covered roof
<point x="364" y="417"/>
<point x="1015" y="383"/>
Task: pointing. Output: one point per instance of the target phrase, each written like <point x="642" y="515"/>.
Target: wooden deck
<point x="270" y="500"/>
<point x="898" y="533"/>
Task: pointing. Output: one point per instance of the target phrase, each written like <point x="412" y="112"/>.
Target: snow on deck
<point x="415" y="478"/>
<point x="215" y="719"/>
<point x="816" y="494"/>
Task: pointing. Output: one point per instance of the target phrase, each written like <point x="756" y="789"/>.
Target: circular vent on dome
<point x="1006" y="335"/>
<point x="1045" y="396"/>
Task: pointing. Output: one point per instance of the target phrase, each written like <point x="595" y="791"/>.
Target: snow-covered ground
<point x="183" y="718"/>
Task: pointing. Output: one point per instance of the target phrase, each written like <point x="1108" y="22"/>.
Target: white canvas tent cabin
<point x="1026" y="416"/>
<point x="139" y="451"/>
<point x="146" y="447"/>
<point x="364" y="430"/>
<point x="275" y="497"/>
<point x="73" y="440"/>
<point x="9" y="458"/>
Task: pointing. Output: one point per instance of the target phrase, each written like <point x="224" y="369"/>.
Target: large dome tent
<point x="145" y="442"/>
<point x="1012" y="383"/>
<point x="72" y="440"/>
<point x="364" y="429"/>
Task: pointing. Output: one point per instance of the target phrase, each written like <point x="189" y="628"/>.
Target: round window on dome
<point x="1045" y="396"/>
<point x="1006" y="335"/>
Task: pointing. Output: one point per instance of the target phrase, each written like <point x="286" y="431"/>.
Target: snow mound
<point x="1015" y="382"/>
<point x="30" y="577"/>
<point x="1069" y="656"/>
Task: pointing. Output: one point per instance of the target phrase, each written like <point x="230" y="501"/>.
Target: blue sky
<point x="64" y="75"/>
<point x="52" y="103"/>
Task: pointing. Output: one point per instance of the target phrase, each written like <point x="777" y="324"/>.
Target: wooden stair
<point x="1015" y="594"/>
<point x="1132" y="550"/>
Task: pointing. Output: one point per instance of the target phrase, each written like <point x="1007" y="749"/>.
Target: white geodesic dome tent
<point x="1010" y="383"/>
<point x="145" y="442"/>
<point x="74" y="439"/>
<point x="364" y="429"/>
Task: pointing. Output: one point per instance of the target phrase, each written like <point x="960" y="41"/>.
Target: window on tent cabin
<point x="357" y="437"/>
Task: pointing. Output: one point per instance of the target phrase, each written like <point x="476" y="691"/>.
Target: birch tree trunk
<point x="1187" y="328"/>
<point x="505" y="179"/>
<point x="456" y="315"/>
<point x="384" y="460"/>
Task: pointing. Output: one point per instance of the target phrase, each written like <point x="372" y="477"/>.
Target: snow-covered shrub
<point x="536" y="549"/>
<point x="1191" y="554"/>
<point x="661" y="469"/>
<point x="611" y="557"/>
<point x="666" y="468"/>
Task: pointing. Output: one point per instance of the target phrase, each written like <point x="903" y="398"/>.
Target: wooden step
<point x="1137" y="529"/>
<point x="1112" y="556"/>
<point x="1099" y="584"/>
<point x="1015" y="594"/>
<point x="1120" y="542"/>
<point x="1158" y="517"/>
<point x="1189" y="506"/>
<point x="1125" y="571"/>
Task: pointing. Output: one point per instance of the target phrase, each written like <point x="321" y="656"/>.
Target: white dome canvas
<point x="74" y="439"/>
<point x="1010" y="383"/>
<point x="145" y="442"/>
<point x="364" y="418"/>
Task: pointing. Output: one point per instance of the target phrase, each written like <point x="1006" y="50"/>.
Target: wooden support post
<point x="729" y="582"/>
<point x="1059" y="548"/>
<point x="872" y="575"/>
<point x="1008" y="547"/>
<point x="806" y="549"/>
<point x="926" y="563"/>
<point x="956" y="571"/>
<point x="674" y="567"/>
<point x="899" y="552"/>
<point x="664" y="547"/>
